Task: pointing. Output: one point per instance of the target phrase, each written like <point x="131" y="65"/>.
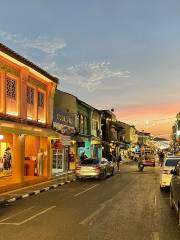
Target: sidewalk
<point x="57" y="181"/>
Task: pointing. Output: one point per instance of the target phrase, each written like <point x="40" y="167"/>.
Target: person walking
<point x="161" y="157"/>
<point x="119" y="159"/>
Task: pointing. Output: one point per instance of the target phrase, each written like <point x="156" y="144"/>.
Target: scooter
<point x="141" y="167"/>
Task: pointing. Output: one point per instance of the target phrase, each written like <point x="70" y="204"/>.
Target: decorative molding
<point x="9" y="69"/>
<point x="37" y="83"/>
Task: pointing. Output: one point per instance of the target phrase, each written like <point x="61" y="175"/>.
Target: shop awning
<point x="18" y="128"/>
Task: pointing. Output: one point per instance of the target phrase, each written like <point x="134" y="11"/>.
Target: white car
<point x="165" y="174"/>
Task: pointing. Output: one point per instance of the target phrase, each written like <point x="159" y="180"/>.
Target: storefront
<point x="83" y="145"/>
<point x="24" y="152"/>
<point x="36" y="152"/>
<point x="96" y="148"/>
<point x="6" y="158"/>
<point x="63" y="148"/>
<point x="63" y="155"/>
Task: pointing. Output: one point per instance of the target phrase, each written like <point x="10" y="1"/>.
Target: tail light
<point x="78" y="167"/>
<point x="165" y="171"/>
<point x="97" y="168"/>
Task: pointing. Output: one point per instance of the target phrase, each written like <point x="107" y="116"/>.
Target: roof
<point x="25" y="61"/>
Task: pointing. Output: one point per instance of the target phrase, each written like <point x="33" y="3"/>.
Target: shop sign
<point x="65" y="140"/>
<point x="64" y="129"/>
<point x="65" y="118"/>
<point x="56" y="144"/>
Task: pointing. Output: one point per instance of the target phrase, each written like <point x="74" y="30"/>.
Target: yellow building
<point x="26" y="112"/>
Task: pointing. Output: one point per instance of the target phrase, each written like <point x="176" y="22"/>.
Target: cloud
<point x="49" y="46"/>
<point x="88" y="75"/>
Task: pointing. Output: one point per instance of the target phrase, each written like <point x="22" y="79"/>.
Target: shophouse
<point x="26" y="111"/>
<point x="83" y="128"/>
<point x="64" y="122"/>
<point x="96" y="134"/>
<point x="176" y="134"/>
<point x="130" y="136"/>
<point x="109" y="132"/>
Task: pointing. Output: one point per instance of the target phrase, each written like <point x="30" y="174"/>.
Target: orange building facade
<point x="26" y="114"/>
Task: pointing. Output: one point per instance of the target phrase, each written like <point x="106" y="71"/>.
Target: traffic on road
<point x="89" y="208"/>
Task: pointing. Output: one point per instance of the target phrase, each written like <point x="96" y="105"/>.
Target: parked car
<point x="175" y="190"/>
<point x="165" y="174"/>
<point x="95" y="168"/>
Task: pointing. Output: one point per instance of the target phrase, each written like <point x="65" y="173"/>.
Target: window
<point x="90" y="161"/>
<point x="171" y="162"/>
<point x="30" y="95"/>
<point x="78" y="118"/>
<point x="31" y="111"/>
<point x="85" y="125"/>
<point x="11" y="88"/>
<point x="94" y="125"/>
<point x="11" y="96"/>
<point x="81" y="124"/>
<point x="41" y="99"/>
<point x="41" y="102"/>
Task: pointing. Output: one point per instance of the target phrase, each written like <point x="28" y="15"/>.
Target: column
<point x="22" y="89"/>
<point x="47" y="166"/>
<point x="18" y="158"/>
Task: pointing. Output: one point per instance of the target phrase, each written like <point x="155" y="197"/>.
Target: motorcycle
<point x="141" y="167"/>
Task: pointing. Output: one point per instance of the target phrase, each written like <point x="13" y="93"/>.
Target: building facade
<point x="64" y="122"/>
<point x="83" y="128"/>
<point x="96" y="134"/>
<point x="26" y="111"/>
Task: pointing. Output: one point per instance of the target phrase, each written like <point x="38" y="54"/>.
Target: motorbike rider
<point x="140" y="160"/>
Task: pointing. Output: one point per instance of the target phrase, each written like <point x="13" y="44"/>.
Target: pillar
<point x="47" y="165"/>
<point x="18" y="158"/>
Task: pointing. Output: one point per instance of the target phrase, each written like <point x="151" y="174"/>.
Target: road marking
<point x="26" y="209"/>
<point x="91" y="216"/>
<point x="155" y="235"/>
<point x="155" y="201"/>
<point x="30" y="218"/>
<point x="76" y="195"/>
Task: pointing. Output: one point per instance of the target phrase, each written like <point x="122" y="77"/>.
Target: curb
<point x="35" y="192"/>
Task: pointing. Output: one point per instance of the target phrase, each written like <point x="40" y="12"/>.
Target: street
<point x="128" y="205"/>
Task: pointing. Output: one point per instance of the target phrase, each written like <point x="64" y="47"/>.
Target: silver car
<point x="94" y="168"/>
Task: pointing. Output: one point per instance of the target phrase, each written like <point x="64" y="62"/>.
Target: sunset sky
<point x="120" y="54"/>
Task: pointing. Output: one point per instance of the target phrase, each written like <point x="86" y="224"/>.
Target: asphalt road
<point x="126" y="206"/>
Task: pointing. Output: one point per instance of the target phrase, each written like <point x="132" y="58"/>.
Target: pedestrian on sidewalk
<point x="119" y="159"/>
